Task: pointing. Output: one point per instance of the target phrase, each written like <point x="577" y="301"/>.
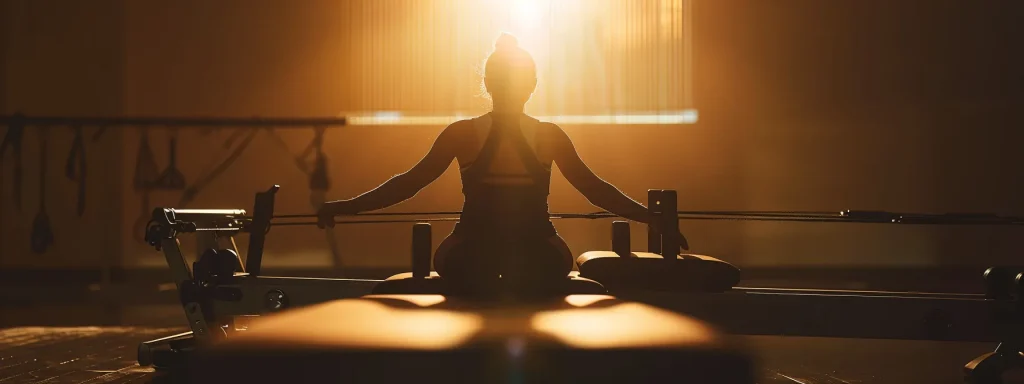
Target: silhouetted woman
<point x="505" y="158"/>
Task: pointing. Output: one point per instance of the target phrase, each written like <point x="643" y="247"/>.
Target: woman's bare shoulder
<point x="459" y="133"/>
<point x="551" y="131"/>
<point x="458" y="128"/>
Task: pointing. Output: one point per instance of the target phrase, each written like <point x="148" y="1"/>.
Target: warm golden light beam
<point x="598" y="61"/>
<point x="621" y="325"/>
<point x="420" y="300"/>
<point x="364" y="324"/>
<point x="585" y="300"/>
<point x="530" y="13"/>
<point x="396" y="118"/>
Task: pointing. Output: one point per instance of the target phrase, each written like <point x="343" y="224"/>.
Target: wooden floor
<point x="92" y="355"/>
<point x="66" y="352"/>
<point x="806" y="360"/>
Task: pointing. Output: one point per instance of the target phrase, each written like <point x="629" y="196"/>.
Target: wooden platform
<point x="93" y="355"/>
<point x="436" y="339"/>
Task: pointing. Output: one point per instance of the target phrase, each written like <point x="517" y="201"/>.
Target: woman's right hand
<point x="325" y="215"/>
<point x="683" y="243"/>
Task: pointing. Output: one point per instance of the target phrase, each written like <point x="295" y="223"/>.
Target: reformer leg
<point x="166" y="352"/>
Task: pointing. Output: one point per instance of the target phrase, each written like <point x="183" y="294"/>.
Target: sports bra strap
<point x="501" y="129"/>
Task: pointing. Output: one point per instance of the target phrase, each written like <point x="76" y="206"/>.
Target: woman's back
<point x="506" y="166"/>
<point x="505" y="181"/>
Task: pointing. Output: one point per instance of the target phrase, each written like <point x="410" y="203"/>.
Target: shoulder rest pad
<point x="650" y="271"/>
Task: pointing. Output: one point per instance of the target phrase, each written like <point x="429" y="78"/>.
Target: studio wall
<point x="804" y="105"/>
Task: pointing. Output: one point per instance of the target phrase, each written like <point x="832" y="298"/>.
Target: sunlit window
<point x="599" y="61"/>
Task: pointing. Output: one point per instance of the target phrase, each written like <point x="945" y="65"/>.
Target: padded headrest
<point x="650" y="271"/>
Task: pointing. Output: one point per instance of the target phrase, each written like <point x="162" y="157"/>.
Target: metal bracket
<point x="211" y="305"/>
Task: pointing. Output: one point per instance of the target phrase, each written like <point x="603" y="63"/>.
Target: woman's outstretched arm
<point x="405" y="185"/>
<point x="597" y="191"/>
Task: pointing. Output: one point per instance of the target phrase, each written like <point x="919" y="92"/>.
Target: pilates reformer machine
<point x="624" y="316"/>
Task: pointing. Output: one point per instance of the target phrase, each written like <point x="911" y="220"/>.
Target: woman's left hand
<point x="683" y="243"/>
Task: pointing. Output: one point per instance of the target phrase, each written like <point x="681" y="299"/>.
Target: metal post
<point x="263" y="211"/>
<point x="669" y="225"/>
<point x="620" y="238"/>
<point x="421" y="249"/>
<point x="654" y="211"/>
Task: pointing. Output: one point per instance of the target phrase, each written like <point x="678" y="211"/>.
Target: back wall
<point x="804" y="105"/>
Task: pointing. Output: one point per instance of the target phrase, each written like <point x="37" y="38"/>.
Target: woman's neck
<point x="507" y="110"/>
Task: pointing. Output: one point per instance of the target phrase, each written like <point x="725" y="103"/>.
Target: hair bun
<point x="505" y="43"/>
